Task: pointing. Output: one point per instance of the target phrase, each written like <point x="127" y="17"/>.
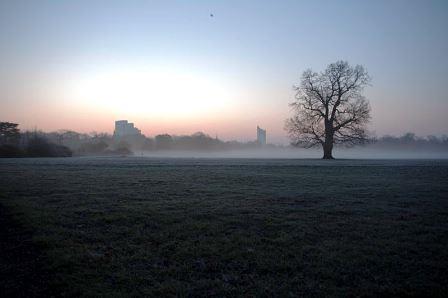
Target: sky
<point x="170" y="67"/>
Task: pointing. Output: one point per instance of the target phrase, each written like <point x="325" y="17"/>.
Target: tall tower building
<point x="124" y="128"/>
<point x="261" y="136"/>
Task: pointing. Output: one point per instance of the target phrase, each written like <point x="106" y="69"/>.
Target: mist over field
<point x="201" y="145"/>
<point x="300" y="153"/>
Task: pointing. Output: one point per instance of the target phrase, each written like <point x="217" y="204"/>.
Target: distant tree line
<point x="13" y="143"/>
<point x="409" y="141"/>
<point x="62" y="143"/>
<point x="106" y="144"/>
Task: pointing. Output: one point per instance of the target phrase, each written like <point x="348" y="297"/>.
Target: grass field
<point x="229" y="227"/>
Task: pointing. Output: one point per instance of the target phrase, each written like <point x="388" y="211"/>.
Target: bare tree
<point x="329" y="108"/>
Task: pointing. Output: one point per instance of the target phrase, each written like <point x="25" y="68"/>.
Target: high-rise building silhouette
<point x="261" y="136"/>
<point x="124" y="128"/>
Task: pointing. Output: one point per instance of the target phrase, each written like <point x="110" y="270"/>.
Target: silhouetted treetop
<point x="329" y="108"/>
<point x="9" y="133"/>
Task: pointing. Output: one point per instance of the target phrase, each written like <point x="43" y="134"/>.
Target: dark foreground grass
<point x="135" y="226"/>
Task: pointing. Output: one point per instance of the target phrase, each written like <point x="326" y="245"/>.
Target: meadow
<point x="223" y="227"/>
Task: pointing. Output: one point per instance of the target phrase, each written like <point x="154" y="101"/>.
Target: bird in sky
<point x="211" y="15"/>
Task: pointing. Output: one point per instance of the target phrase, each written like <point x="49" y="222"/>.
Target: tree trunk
<point x="328" y="146"/>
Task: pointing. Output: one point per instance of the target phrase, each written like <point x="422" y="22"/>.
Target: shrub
<point x="10" y="151"/>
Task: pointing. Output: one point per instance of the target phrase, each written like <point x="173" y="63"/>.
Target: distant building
<point x="261" y="136"/>
<point x="123" y="129"/>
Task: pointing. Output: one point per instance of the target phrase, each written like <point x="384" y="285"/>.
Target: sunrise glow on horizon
<point x="172" y="68"/>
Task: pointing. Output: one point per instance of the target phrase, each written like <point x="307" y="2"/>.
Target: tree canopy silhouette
<point x="9" y="133"/>
<point x="329" y="108"/>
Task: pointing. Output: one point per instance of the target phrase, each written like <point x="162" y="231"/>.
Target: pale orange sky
<point x="47" y="103"/>
<point x="170" y="68"/>
<point x="55" y="104"/>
